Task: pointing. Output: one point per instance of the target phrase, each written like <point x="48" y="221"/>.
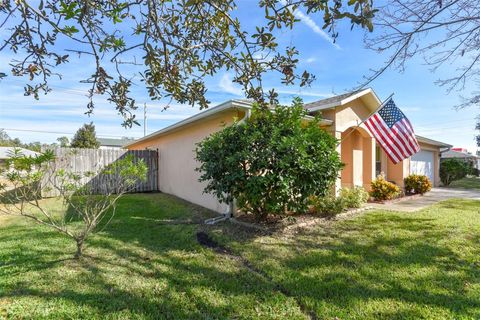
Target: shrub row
<point x="382" y="189"/>
<point x="329" y="206"/>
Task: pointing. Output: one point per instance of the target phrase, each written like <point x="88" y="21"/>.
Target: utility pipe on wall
<point x="231" y="206"/>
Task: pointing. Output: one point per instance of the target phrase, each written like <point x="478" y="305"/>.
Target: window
<point x="378" y="160"/>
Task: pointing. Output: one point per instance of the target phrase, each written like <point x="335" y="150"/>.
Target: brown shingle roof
<point x="331" y="100"/>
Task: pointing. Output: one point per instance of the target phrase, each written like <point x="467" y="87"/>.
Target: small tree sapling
<point x="87" y="205"/>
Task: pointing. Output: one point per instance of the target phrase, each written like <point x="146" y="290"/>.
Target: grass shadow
<point x="137" y="267"/>
<point x="381" y="265"/>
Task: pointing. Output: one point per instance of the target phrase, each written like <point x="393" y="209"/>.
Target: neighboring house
<point x="463" y="154"/>
<point x="107" y="143"/>
<point x="6" y="151"/>
<point x="362" y="157"/>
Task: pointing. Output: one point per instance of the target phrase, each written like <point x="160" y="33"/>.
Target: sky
<point x="339" y="67"/>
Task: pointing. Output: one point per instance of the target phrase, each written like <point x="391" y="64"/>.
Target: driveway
<point x="434" y="196"/>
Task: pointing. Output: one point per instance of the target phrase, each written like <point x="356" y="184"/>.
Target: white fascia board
<point x="325" y="106"/>
<point x="347" y="100"/>
<point x="432" y="142"/>
<point x="362" y="93"/>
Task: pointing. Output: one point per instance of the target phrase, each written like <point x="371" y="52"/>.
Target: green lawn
<point x="380" y="265"/>
<point x="466" y="183"/>
<point x="139" y="267"/>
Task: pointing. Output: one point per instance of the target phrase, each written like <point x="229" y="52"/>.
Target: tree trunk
<point x="79" y="252"/>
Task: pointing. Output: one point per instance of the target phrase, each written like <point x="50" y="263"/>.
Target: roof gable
<point x="368" y="96"/>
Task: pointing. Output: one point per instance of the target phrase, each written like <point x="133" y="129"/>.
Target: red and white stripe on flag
<point x="398" y="140"/>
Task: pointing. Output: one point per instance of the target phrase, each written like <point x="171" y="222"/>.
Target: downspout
<point x="231" y="206"/>
<point x="445" y="150"/>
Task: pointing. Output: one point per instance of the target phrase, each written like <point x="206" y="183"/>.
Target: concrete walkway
<point x="432" y="197"/>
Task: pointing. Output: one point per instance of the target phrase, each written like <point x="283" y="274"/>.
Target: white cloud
<point x="228" y="86"/>
<point x="49" y="131"/>
<point x="311" y="60"/>
<point x="262" y="57"/>
<point x="73" y="102"/>
<point x="101" y="112"/>
<point x="62" y="112"/>
<point x="301" y="93"/>
<point x="314" y="27"/>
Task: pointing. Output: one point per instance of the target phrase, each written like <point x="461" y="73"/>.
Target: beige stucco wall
<point x="398" y="172"/>
<point x="347" y="159"/>
<point x="368" y="161"/>
<point x="358" y="156"/>
<point x="177" y="162"/>
<point x="358" y="147"/>
<point x="350" y="115"/>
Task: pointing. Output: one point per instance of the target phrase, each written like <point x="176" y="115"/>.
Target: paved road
<point x="434" y="196"/>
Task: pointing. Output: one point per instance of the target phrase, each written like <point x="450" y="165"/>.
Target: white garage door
<point x="422" y="163"/>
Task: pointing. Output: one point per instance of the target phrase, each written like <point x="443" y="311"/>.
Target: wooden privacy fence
<point x="81" y="161"/>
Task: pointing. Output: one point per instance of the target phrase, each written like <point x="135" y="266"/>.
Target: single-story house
<point x="363" y="158"/>
<point x="108" y="143"/>
<point x="463" y="154"/>
<point x="5" y="153"/>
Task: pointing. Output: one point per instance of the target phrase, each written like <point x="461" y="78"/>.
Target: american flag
<point x="393" y="132"/>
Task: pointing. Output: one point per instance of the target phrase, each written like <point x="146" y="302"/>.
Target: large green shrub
<point x="382" y="189"/>
<point x="453" y="169"/>
<point x="354" y="197"/>
<point x="417" y="184"/>
<point x="271" y="163"/>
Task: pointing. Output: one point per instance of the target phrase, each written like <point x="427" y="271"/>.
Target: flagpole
<point x="371" y="114"/>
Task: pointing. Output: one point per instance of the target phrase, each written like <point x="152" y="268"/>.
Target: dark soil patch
<point x="270" y="220"/>
<point x="275" y="223"/>
<point x="205" y="240"/>
<point x="289" y="223"/>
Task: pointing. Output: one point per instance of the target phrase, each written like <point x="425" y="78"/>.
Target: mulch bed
<point x="291" y="222"/>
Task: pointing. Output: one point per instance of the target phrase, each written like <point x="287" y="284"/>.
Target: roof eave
<point x="322" y="122"/>
<point x="205" y="114"/>
<point x="433" y="142"/>
<point x="239" y="104"/>
<point x="346" y="100"/>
